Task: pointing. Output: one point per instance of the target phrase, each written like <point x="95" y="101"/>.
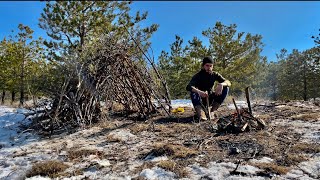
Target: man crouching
<point x="201" y="87"/>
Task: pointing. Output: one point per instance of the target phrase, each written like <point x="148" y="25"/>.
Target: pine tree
<point x="236" y="55"/>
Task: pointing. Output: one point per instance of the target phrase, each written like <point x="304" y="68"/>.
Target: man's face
<point x="208" y="67"/>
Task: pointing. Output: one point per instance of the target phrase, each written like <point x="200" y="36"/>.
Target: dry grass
<point x="306" y="117"/>
<point x="272" y="168"/>
<point x="173" y="167"/>
<point x="180" y="127"/>
<point x="145" y="165"/>
<point x="167" y="165"/>
<point x="15" y="154"/>
<point x="170" y="130"/>
<point x="74" y="154"/>
<point x="117" y="106"/>
<point x="161" y="127"/>
<point x="107" y="125"/>
<point x="173" y="150"/>
<point x="137" y="128"/>
<point x="295" y="159"/>
<point x="48" y="168"/>
<point x="306" y="148"/>
<point x="76" y="172"/>
<point x="139" y="178"/>
<point x="264" y="117"/>
<point x="8" y="103"/>
<point x="111" y="138"/>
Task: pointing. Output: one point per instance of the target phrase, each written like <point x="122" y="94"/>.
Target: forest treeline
<point x="34" y="67"/>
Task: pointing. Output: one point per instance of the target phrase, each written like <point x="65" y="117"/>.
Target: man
<point x="201" y="87"/>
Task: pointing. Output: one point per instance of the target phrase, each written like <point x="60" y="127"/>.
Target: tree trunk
<point x="2" y="97"/>
<point x="13" y="96"/>
<point x="305" y="89"/>
<point x="22" y="82"/>
<point x="304" y="82"/>
<point x="21" y="97"/>
<point x="274" y="92"/>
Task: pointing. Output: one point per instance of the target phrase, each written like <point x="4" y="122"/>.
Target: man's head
<point x="207" y="64"/>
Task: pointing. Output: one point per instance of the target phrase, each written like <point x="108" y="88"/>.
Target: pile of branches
<point x="241" y="120"/>
<point x="111" y="74"/>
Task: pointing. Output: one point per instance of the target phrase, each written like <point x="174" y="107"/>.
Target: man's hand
<point x="218" y="90"/>
<point x="203" y="94"/>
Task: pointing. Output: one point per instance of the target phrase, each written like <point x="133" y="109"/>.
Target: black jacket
<point x="205" y="81"/>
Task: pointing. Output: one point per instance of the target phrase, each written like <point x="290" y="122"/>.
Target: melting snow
<point x="262" y="160"/>
<point x="18" y="150"/>
<point x="122" y="134"/>
<point x="157" y="174"/>
<point x="10" y="120"/>
<point x="240" y="104"/>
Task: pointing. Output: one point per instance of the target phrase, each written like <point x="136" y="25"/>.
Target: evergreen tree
<point x="75" y="26"/>
<point x="236" y="55"/>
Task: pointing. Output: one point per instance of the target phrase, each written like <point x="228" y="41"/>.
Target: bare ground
<point x="288" y="148"/>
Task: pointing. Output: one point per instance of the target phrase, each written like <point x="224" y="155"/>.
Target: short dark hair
<point x="207" y="60"/>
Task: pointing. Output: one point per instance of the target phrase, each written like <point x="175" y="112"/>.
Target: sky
<point x="285" y="24"/>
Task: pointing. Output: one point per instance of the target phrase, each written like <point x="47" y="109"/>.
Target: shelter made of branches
<point x="121" y="77"/>
<point x="113" y="72"/>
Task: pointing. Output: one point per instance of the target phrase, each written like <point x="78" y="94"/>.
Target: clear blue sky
<point x="282" y="24"/>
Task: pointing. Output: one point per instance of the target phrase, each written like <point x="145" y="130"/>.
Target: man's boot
<point x="200" y="113"/>
<point x="214" y="107"/>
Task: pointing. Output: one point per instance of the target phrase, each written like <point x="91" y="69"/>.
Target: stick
<point x="208" y="109"/>
<point x="239" y="116"/>
<point x="244" y="127"/>
<point x="248" y="99"/>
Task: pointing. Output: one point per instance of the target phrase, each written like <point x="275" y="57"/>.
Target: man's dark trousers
<point x="197" y="100"/>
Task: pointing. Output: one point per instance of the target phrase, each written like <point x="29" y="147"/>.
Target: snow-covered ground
<point x="18" y="150"/>
<point x="12" y="138"/>
<point x="10" y="133"/>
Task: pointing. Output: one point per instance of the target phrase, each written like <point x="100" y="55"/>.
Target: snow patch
<point x="312" y="168"/>
<point x="104" y="162"/>
<point x="156" y="159"/>
<point x="214" y="171"/>
<point x="157" y="173"/>
<point x="122" y="134"/>
<point x="262" y="160"/>
<point x="309" y="130"/>
<point x="222" y="170"/>
<point x="247" y="169"/>
<point x="10" y="121"/>
<point x="240" y="104"/>
<point x="38" y="178"/>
